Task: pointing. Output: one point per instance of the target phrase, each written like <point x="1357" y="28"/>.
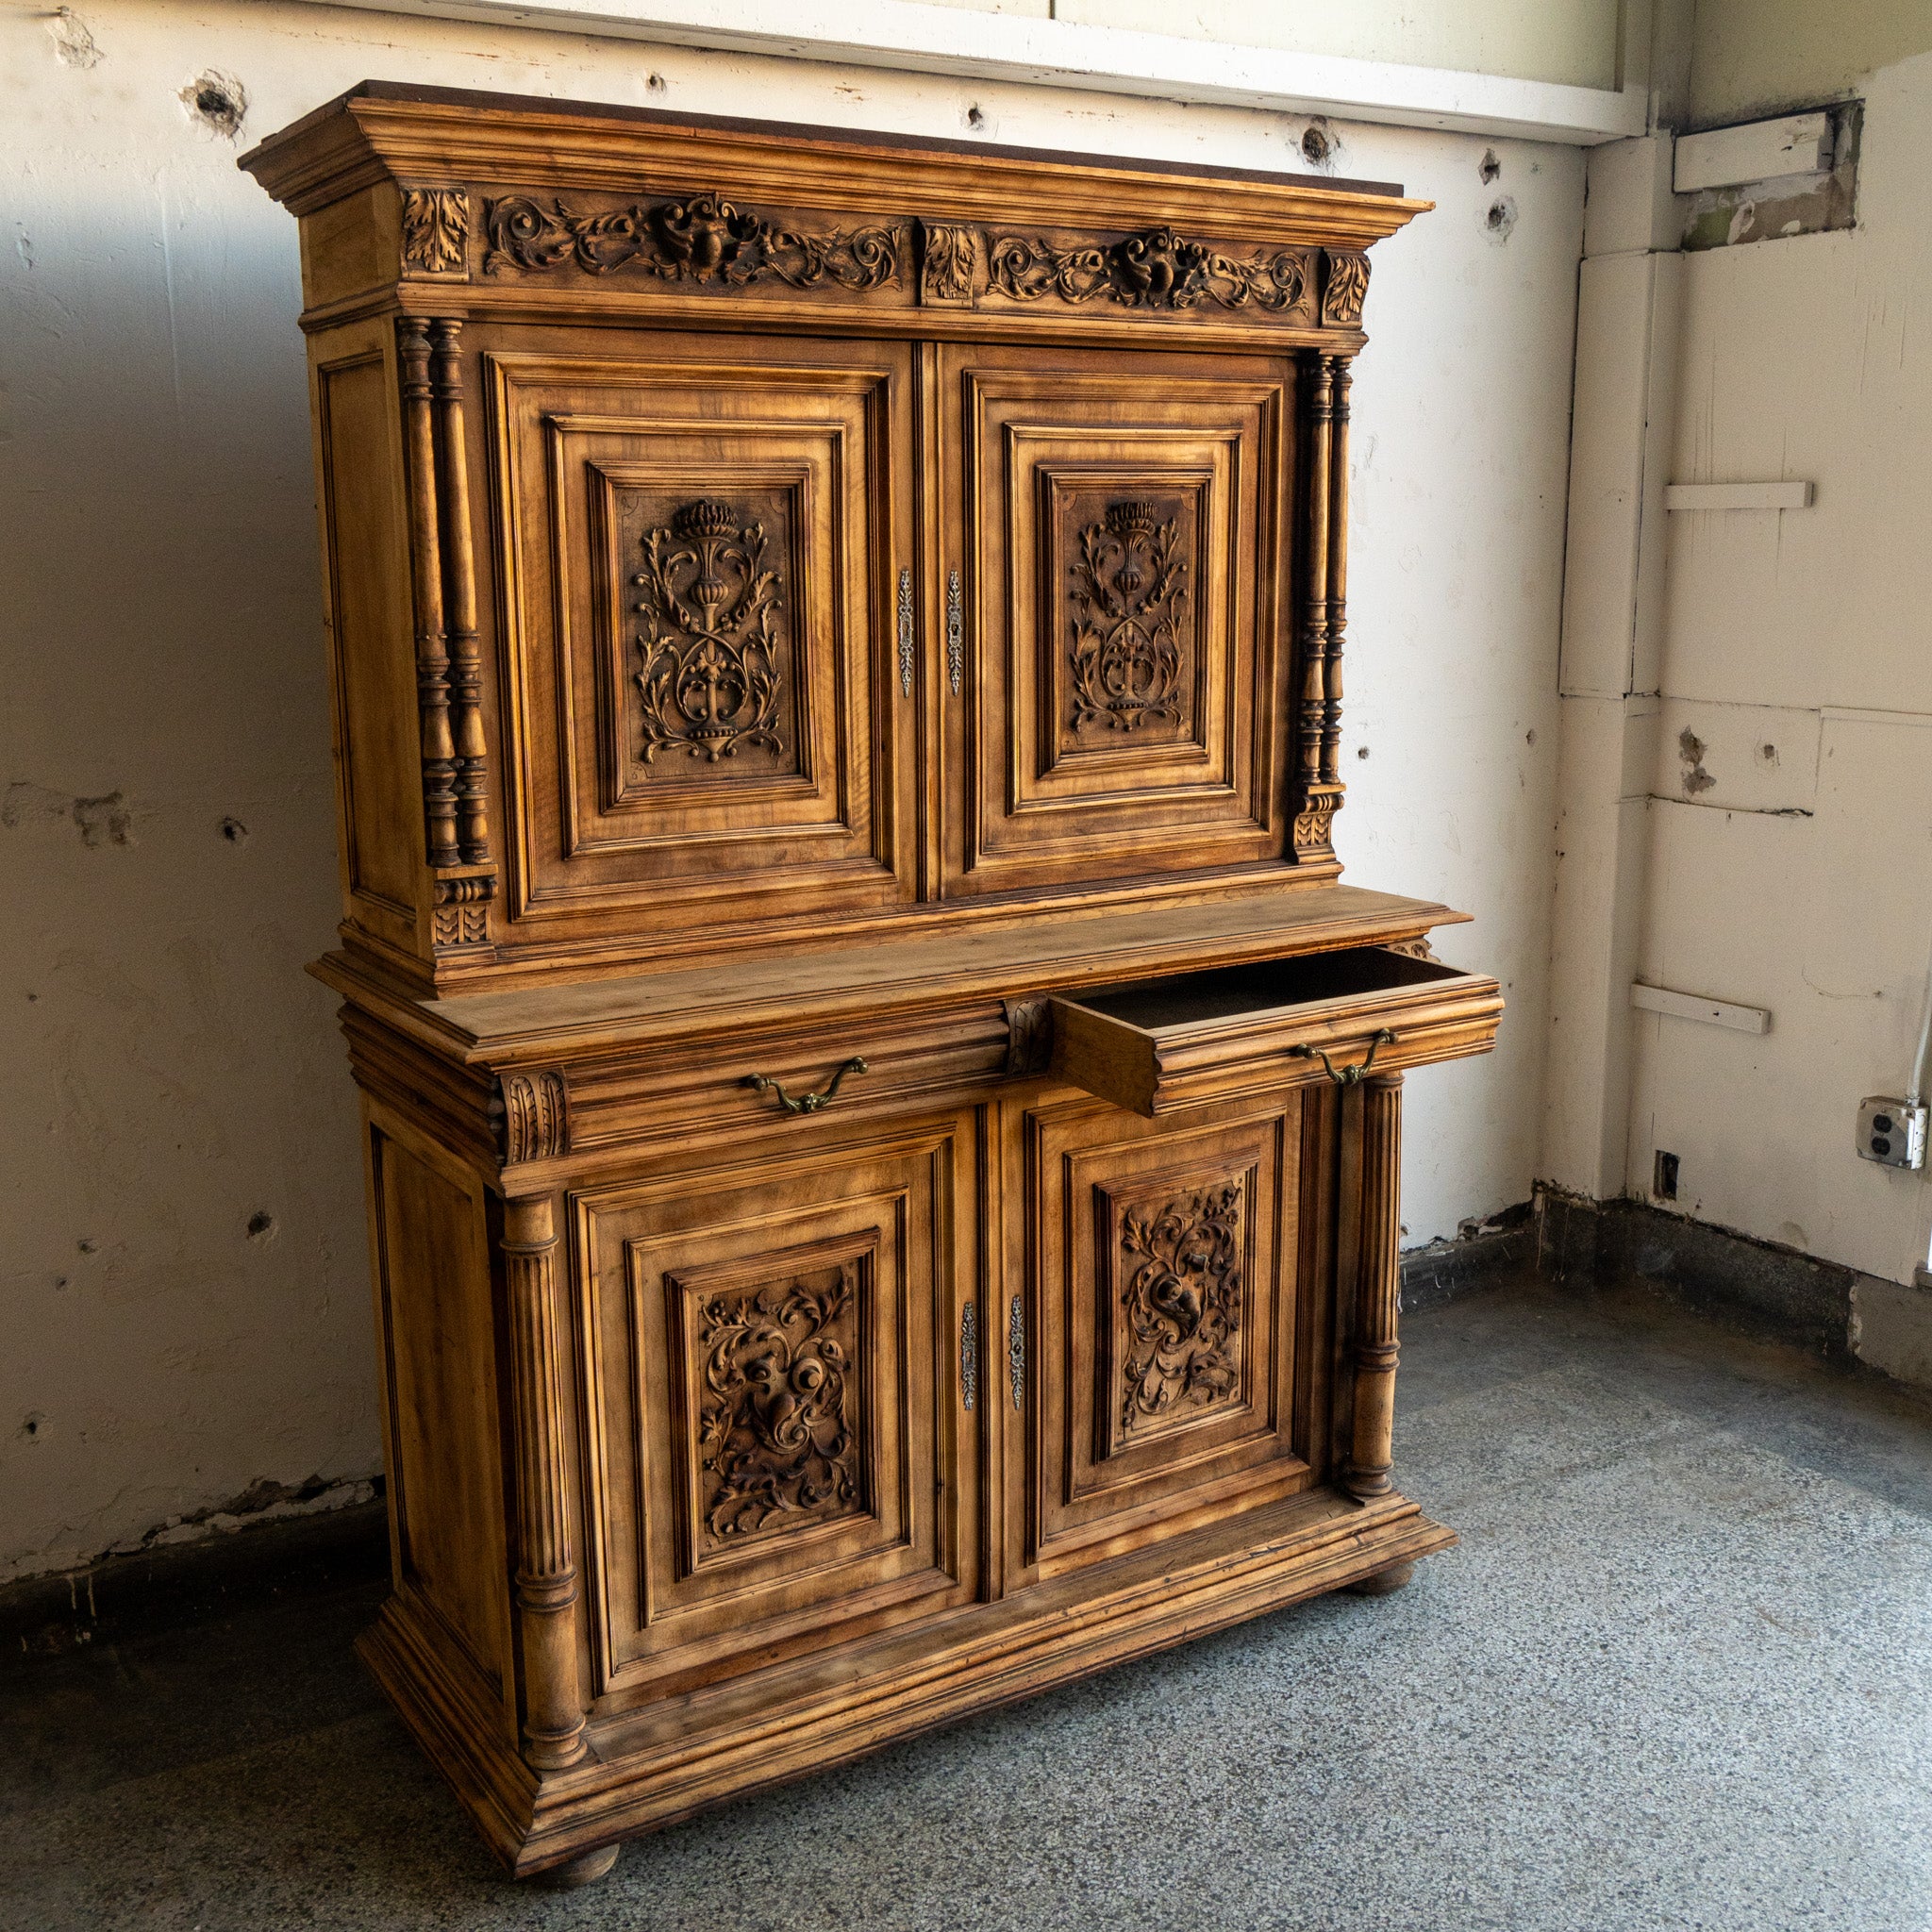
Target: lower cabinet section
<point x="810" y="1437"/>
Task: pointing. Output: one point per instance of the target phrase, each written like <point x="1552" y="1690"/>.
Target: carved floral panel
<point x="712" y="664"/>
<point x="1128" y="660"/>
<point x="780" y="1420"/>
<point x="1180" y="1327"/>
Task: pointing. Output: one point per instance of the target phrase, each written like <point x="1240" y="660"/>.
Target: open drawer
<point x="1165" y="1044"/>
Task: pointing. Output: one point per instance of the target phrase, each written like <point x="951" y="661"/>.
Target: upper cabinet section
<point x="735" y="533"/>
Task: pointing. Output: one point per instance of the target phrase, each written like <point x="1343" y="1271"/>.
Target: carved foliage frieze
<point x="709" y="607"/>
<point x="1130" y="603"/>
<point x="435" y="230"/>
<point x="1180" y="1269"/>
<point x="703" y="239"/>
<point x="1157" y="268"/>
<point x="778" y="1422"/>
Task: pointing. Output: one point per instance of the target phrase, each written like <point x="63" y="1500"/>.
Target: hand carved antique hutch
<point x="881" y="1120"/>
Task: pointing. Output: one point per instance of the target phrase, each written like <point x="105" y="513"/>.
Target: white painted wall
<point x="1752" y="57"/>
<point x="173" y="1073"/>
<point x="1795" y="652"/>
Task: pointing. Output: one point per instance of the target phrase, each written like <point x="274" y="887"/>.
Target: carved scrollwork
<point x="1131" y="599"/>
<point x="703" y="239"/>
<point x="536" y="1116"/>
<point x="774" y="1437"/>
<point x="435" y="230"/>
<point x="461" y="913"/>
<point x="1029" y="1036"/>
<point x="1154" y="269"/>
<point x="709" y="637"/>
<point x="1181" y="1305"/>
<point x="1411" y="949"/>
<point x="1314" y="831"/>
<point x="1344" y="288"/>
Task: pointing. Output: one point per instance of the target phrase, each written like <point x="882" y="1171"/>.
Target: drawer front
<point x="1154" y="1344"/>
<point x="828" y="1072"/>
<point x="770" y="1367"/>
<point x="1172" y="1043"/>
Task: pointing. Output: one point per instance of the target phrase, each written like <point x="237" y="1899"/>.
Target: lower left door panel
<point x="776" y="1442"/>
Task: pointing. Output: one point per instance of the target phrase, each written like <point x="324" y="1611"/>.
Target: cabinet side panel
<point x="446" y="1470"/>
<point x="371" y="650"/>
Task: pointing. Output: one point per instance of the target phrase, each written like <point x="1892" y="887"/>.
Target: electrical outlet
<point x="1891" y="1132"/>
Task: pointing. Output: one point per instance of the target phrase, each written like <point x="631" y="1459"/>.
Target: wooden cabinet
<point x="882" y="1118"/>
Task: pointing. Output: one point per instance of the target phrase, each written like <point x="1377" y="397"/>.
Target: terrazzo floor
<point x="1678" y="1675"/>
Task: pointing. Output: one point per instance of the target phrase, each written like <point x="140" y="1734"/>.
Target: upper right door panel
<point x="1115" y="574"/>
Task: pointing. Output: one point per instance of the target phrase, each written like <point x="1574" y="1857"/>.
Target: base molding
<point x="793" y="1721"/>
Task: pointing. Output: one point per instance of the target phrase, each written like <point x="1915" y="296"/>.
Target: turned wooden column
<point x="546" y="1578"/>
<point x="425" y="575"/>
<point x="1371" y="1455"/>
<point x="465" y="672"/>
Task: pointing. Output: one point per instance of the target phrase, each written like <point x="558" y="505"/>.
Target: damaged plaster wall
<point x="1790" y="860"/>
<point x="185" y="1267"/>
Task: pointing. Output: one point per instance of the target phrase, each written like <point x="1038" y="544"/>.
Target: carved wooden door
<point x="779" y="1440"/>
<point x="1116" y="610"/>
<point x="1163" y="1352"/>
<point x="701" y="543"/>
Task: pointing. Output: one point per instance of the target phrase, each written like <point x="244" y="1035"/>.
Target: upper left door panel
<point x="700" y="547"/>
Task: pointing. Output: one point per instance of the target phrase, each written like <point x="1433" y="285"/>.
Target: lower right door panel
<point x="1167" y="1326"/>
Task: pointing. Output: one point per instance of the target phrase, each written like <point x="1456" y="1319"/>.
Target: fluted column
<point x="546" y="1575"/>
<point x="1371" y="1455"/>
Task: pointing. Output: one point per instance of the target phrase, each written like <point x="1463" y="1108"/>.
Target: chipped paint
<point x="1776" y="211"/>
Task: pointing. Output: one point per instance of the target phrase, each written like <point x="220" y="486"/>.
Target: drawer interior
<point x="1194" y="999"/>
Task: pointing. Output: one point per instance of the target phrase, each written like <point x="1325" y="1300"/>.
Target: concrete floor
<point x="1678" y="1675"/>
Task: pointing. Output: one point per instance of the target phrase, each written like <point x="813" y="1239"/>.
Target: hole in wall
<point x="1489" y="167"/>
<point x="218" y="100"/>
<point x="975" y="118"/>
<point x="1499" y="218"/>
<point x="234" y="831"/>
<point x="654" y="83"/>
<point x="1362" y="752"/>
<point x="1317" y="144"/>
<point x="261" y="1225"/>
<point x="1663" y="1180"/>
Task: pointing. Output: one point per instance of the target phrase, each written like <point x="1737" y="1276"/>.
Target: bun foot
<point x="585" y="1869"/>
<point x="1383" y="1583"/>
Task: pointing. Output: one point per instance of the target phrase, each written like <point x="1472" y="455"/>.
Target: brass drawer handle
<point x="806" y="1102"/>
<point x="1344" y="1076"/>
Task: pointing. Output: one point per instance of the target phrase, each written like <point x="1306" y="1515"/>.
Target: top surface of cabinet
<point x="738" y="536"/>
